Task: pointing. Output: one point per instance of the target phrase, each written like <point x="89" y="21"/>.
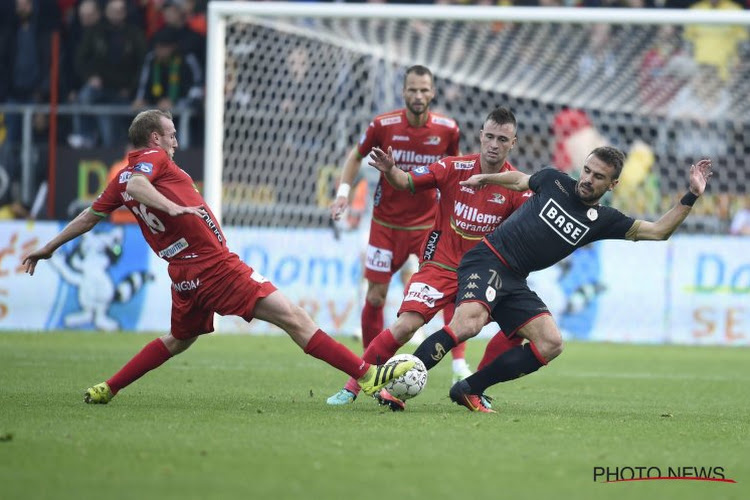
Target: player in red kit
<point x="206" y="277"/>
<point x="463" y="217"/>
<point x="400" y="219"/>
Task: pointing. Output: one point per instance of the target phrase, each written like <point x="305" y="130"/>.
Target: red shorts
<point x="429" y="290"/>
<point x="226" y="286"/>
<point x="388" y="250"/>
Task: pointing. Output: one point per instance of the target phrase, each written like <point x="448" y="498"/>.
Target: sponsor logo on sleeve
<point x="124" y="177"/>
<point x="420" y="170"/>
<point x="144" y="168"/>
<point x="562" y="223"/>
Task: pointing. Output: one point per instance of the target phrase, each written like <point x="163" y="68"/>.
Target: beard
<point x="589" y="196"/>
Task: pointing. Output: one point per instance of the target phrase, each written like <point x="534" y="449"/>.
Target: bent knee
<point x="551" y="346"/>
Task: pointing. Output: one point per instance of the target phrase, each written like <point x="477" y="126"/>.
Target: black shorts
<point x="483" y="278"/>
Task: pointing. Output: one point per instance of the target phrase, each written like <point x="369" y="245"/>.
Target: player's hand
<point x="475" y="181"/>
<point x="29" y="262"/>
<point x="180" y="210"/>
<point x="381" y="160"/>
<point x="338" y="207"/>
<point x="699" y="175"/>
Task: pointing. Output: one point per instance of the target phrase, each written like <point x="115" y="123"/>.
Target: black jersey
<point x="553" y="223"/>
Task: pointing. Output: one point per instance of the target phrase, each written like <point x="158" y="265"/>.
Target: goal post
<point x="291" y="86"/>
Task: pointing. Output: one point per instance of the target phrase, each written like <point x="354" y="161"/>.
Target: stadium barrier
<point x="688" y="290"/>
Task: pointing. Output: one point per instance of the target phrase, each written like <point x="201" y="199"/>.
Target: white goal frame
<point x="220" y="11"/>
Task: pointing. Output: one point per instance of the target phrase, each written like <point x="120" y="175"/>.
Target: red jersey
<point x="413" y="147"/>
<point x="465" y="215"/>
<point x="182" y="238"/>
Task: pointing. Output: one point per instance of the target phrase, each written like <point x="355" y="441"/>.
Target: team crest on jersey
<point x="125" y="177"/>
<point x="490" y="294"/>
<point x="562" y="223"/>
<point x="424" y="293"/>
<point x="420" y="170"/>
<point x="144" y="168"/>
<point x="391" y="120"/>
<point x="463" y="165"/>
<point x="401" y="138"/>
<point x="433" y="140"/>
<point x="497" y="198"/>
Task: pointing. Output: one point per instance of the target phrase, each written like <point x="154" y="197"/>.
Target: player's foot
<point x="460" y="371"/>
<point x="460" y="394"/>
<point x="486" y="401"/>
<point x="379" y="375"/>
<point x="385" y="398"/>
<point x="100" y="394"/>
<point x="343" y="397"/>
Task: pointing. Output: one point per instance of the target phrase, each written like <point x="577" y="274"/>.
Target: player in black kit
<point x="564" y="214"/>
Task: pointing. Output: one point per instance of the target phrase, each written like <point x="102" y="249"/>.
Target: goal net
<point x="291" y="87"/>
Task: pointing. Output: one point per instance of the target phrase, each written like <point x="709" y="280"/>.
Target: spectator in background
<point x="664" y="68"/>
<point x="189" y="42"/>
<point x="88" y="15"/>
<point x="108" y="61"/>
<point x="700" y="108"/>
<point x="716" y="45"/>
<point x="575" y="137"/>
<point x="169" y="78"/>
<point x="25" y="59"/>
<point x="741" y="221"/>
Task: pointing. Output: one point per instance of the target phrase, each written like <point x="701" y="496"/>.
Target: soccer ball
<point x="410" y="383"/>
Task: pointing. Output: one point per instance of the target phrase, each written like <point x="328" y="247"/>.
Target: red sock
<point x="459" y="352"/>
<point x="496" y="346"/>
<point x="372" y="322"/>
<point x="381" y="349"/>
<point x="337" y="355"/>
<point x="153" y="355"/>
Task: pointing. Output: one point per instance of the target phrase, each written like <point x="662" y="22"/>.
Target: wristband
<point x="688" y="199"/>
<point x="343" y="190"/>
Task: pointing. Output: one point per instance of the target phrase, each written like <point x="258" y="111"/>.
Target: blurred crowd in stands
<point x="152" y="53"/>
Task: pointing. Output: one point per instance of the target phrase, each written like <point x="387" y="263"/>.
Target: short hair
<point x="144" y="124"/>
<point x="419" y="70"/>
<point x="612" y="157"/>
<point x="501" y="116"/>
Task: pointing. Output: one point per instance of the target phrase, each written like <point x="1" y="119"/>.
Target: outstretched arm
<point x="351" y="169"/>
<point x="81" y="224"/>
<point x="663" y="228"/>
<point x="385" y="163"/>
<point x="141" y="189"/>
<point x="517" y="181"/>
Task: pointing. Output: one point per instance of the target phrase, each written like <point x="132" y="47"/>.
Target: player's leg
<point x="188" y="321"/>
<point x="545" y="343"/>
<point x="497" y="345"/>
<point x="372" y="319"/>
<point x="278" y="310"/>
<point x="461" y="368"/>
<point x="381" y="261"/>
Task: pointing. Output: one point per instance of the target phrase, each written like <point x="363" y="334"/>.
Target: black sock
<point x="510" y="365"/>
<point x="434" y="347"/>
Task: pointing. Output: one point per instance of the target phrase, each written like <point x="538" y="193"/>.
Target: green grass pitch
<point x="245" y="417"/>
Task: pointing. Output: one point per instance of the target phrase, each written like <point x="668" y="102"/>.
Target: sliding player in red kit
<point x="464" y="216"/>
<point x="206" y="277"/>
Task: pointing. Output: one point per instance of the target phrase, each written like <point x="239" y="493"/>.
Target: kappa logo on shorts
<point x="472" y="285"/>
<point x="490" y="293"/>
<point x="469" y="295"/>
<point x="424" y="293"/>
<point x="474" y="276"/>
<point x="562" y="223"/>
